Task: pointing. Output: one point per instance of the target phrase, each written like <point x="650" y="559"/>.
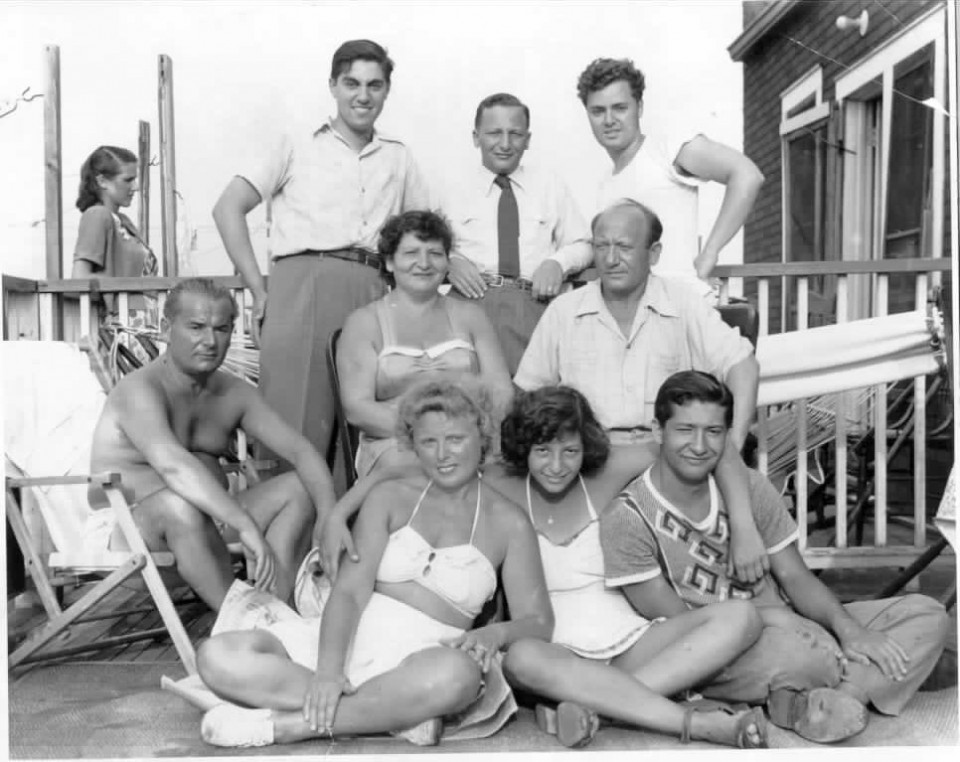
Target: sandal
<point x="573" y="725"/>
<point x="746" y="716"/>
<point x="822" y="715"/>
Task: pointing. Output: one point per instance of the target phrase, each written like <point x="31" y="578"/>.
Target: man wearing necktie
<point x="518" y="232"/>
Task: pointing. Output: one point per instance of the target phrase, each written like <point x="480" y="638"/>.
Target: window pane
<point x="911" y="143"/>
<point x="909" y="180"/>
<point x="805" y="161"/>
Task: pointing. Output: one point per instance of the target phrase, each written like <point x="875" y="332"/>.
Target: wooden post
<point x="143" y="151"/>
<point x="168" y="181"/>
<point x="53" y="178"/>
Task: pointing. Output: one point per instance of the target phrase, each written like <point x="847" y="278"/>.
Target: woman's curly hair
<point x="544" y="415"/>
<point x="425" y="225"/>
<point x="463" y="398"/>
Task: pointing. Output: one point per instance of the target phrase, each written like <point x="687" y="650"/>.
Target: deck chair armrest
<point x="103" y="479"/>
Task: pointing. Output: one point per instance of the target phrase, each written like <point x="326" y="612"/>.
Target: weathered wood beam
<point x="143" y="152"/>
<point x="53" y="175"/>
<point x="168" y="177"/>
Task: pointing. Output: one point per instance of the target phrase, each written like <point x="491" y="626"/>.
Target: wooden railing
<point x="869" y="282"/>
<point x="65" y="310"/>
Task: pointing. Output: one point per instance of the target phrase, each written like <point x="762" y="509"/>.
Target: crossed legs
<point x="253" y="668"/>
<point x="680" y="653"/>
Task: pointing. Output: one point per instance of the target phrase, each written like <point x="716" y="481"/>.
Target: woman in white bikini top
<point x="412" y="334"/>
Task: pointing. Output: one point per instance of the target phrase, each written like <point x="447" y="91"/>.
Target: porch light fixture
<point x="861" y="22"/>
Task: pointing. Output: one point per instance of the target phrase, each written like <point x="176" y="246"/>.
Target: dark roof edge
<point x="759" y="27"/>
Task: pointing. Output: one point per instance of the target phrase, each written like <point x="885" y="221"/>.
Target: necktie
<point x="508" y="229"/>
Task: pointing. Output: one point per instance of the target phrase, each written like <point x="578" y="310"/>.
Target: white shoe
<point x="233" y="726"/>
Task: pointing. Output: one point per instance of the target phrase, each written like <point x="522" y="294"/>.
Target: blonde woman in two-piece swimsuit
<point x="412" y="334"/>
<point x="395" y="649"/>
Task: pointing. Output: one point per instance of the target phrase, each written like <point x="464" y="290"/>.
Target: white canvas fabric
<point x="860" y="353"/>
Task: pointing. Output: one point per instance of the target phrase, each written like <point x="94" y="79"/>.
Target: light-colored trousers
<point x="799" y="654"/>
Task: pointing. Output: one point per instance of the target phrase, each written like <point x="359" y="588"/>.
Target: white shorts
<point x="370" y="653"/>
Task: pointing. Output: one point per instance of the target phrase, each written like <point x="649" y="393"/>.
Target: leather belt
<point x="495" y="280"/>
<point x="360" y="256"/>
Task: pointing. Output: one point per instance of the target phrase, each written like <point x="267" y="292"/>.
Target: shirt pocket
<point x="535" y="229"/>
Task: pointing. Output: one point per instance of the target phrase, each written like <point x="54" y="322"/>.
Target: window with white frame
<point x="895" y="132"/>
<point x="803" y="130"/>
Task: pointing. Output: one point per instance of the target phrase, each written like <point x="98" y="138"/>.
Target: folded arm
<point x="230" y="215"/>
<point x="709" y="160"/>
<point x="357" y="366"/>
<point x="531" y="615"/>
<point x="142" y="418"/>
<point x="262" y="423"/>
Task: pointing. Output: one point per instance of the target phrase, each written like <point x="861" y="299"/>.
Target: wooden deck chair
<point x="349" y="434"/>
<point x="117" y="566"/>
<point x="53" y="395"/>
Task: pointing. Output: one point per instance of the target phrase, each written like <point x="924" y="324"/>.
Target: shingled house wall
<point x="806" y="37"/>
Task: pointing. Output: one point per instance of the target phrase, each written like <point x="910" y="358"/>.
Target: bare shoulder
<point x="464" y="311"/>
<point x="232" y="387"/>
<point x="506" y="514"/>
<point x="143" y="385"/>
<point x="391" y="502"/>
<point x="362" y="322"/>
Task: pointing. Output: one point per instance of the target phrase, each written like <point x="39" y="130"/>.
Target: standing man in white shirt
<point x="332" y="189"/>
<point x="518" y="232"/>
<point x="664" y="174"/>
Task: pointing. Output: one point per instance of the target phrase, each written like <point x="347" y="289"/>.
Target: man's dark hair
<point x="360" y="50"/>
<point x="544" y="414"/>
<point x="500" y="99"/>
<point x="201" y="287"/>
<point x="692" y="386"/>
<point x="605" y="71"/>
<point x="654" y="226"/>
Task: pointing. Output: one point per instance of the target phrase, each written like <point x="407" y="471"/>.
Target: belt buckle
<point x="495" y="281"/>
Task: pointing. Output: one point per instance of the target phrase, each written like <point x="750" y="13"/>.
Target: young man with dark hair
<point x="331" y="190"/>
<point x="665" y="173"/>
<point x="818" y="664"/>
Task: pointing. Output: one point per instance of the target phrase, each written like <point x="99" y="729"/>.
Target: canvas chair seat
<point x="817" y="366"/>
<point x="52" y="400"/>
